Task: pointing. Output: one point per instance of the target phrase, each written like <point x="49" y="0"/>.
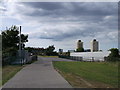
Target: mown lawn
<point x="93" y="74"/>
<point x="9" y="71"/>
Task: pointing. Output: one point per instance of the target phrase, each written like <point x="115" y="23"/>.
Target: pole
<point x="20" y="46"/>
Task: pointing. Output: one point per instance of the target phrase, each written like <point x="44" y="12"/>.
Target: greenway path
<point x="40" y="74"/>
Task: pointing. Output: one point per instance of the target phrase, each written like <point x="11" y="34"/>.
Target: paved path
<point x="40" y="74"/>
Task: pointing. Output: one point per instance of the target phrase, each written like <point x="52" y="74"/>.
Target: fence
<point x="85" y="59"/>
<point x="25" y="58"/>
<point x="90" y="56"/>
<point x="112" y="58"/>
<point x="8" y="59"/>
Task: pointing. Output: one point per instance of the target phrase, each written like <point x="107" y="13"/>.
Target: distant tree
<point x="80" y="50"/>
<point x="10" y="38"/>
<point x="49" y="51"/>
<point x="29" y="49"/>
<point x="114" y="52"/>
<point x="51" y="48"/>
<point x="43" y="51"/>
<point x="10" y="41"/>
<point x="114" y="55"/>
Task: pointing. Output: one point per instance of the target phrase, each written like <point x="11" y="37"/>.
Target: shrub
<point x="33" y="59"/>
<point x="114" y="52"/>
<point x="113" y="56"/>
<point x="80" y="50"/>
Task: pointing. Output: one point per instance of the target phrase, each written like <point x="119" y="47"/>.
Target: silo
<point x="94" y="45"/>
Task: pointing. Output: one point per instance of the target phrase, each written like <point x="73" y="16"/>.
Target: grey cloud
<point x="90" y="14"/>
<point x="59" y="9"/>
<point x="3" y="9"/>
<point x="44" y="5"/>
<point x="62" y="36"/>
<point x="72" y="33"/>
<point x="51" y="12"/>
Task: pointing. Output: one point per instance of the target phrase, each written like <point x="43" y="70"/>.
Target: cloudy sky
<point x="63" y="23"/>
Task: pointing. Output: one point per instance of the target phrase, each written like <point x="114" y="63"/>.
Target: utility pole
<point x="20" y="47"/>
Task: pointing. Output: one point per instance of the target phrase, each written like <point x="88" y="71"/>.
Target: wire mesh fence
<point x="89" y="59"/>
<point x="18" y="59"/>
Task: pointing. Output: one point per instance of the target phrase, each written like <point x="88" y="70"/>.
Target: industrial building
<point x="92" y="53"/>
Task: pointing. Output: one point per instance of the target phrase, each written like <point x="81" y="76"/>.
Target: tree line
<point x="10" y="43"/>
<point x="49" y="51"/>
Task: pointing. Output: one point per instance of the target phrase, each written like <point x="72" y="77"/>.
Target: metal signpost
<point x="20" y="54"/>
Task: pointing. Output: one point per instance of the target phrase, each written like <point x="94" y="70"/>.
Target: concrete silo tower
<point x="79" y="44"/>
<point x="94" y="45"/>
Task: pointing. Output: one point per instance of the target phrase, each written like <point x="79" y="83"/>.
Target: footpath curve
<point x="40" y="74"/>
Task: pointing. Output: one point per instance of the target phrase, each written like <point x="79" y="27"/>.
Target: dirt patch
<point x="100" y="85"/>
<point x="78" y="82"/>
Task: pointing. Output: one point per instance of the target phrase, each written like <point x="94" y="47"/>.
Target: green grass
<point x="9" y="71"/>
<point x="98" y="72"/>
<point x="0" y="76"/>
<point x="49" y="56"/>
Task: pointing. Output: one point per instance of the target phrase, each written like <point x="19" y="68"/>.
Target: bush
<point x="114" y="52"/>
<point x="33" y="59"/>
<point x="113" y="56"/>
<point x="63" y="56"/>
<point x="52" y="54"/>
<point x="9" y="56"/>
<point x="80" y="50"/>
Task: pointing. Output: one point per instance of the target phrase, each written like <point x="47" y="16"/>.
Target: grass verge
<point x="50" y="56"/>
<point x="9" y="71"/>
<point x="89" y="74"/>
<point x="0" y="75"/>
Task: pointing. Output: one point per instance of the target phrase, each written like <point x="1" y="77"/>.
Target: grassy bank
<point x="89" y="74"/>
<point x="9" y="71"/>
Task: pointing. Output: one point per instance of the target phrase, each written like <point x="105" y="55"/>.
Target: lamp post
<point x="20" y="46"/>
